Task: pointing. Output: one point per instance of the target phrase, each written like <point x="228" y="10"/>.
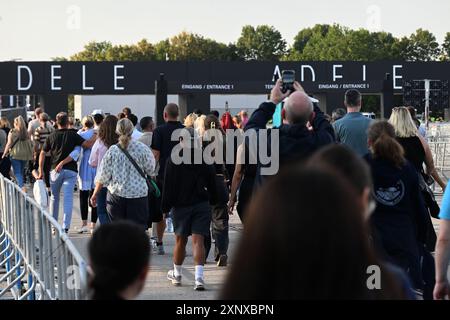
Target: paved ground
<point x="157" y="286"/>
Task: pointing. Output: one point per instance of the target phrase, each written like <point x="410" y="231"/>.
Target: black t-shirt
<point x="60" y="144"/>
<point x="161" y="141"/>
<point x="414" y="151"/>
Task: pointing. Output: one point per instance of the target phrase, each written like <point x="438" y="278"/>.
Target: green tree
<point x="369" y="46"/>
<point x="400" y="49"/>
<point x="422" y="47"/>
<point x="303" y="36"/>
<point x="162" y="50"/>
<point x="261" y="43"/>
<point x="446" y="48"/>
<point x="94" y="51"/>
<point x="142" y="51"/>
<point x="105" y="51"/>
<point x="190" y="46"/>
<point x="59" y="59"/>
<point x="335" y="42"/>
<point x="334" y="45"/>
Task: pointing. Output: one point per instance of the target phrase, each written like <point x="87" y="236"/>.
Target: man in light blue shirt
<point x="351" y="129"/>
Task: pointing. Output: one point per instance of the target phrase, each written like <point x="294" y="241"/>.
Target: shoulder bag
<point x="151" y="184"/>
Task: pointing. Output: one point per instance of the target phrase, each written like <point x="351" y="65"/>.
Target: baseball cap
<point x="97" y="111"/>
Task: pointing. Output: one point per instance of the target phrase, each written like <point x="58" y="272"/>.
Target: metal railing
<point x="439" y="142"/>
<point x="37" y="259"/>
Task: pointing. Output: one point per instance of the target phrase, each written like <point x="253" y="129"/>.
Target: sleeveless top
<point x="414" y="151"/>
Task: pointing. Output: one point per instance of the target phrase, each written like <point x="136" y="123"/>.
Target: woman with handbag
<point x="20" y="149"/>
<point x="417" y="151"/>
<point x="121" y="172"/>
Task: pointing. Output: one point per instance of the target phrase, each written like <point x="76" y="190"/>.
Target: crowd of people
<point x="351" y="194"/>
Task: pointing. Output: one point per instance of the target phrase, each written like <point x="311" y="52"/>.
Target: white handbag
<point x="40" y="193"/>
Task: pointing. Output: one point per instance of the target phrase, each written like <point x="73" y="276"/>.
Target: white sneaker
<point x="199" y="284"/>
<point x="176" y="281"/>
<point x="83" y="229"/>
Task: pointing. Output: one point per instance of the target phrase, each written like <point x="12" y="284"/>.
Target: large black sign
<point x="207" y="77"/>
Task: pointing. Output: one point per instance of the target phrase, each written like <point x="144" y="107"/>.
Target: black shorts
<point x="195" y="219"/>
<point x="134" y="210"/>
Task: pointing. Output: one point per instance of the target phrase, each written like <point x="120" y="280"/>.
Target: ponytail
<point x="124" y="129"/>
<point x="384" y="144"/>
<point x="124" y="141"/>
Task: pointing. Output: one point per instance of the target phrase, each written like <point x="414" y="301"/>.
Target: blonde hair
<point x="87" y="122"/>
<point x="124" y="129"/>
<point x="199" y="125"/>
<point x="403" y="123"/>
<point x="190" y="120"/>
<point x="4" y="123"/>
<point x="20" y="128"/>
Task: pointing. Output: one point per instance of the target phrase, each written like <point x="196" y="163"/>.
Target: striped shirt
<point x="41" y="134"/>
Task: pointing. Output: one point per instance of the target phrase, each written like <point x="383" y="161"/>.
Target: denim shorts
<point x="195" y="219"/>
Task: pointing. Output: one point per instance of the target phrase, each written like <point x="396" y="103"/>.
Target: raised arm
<point x="264" y="113"/>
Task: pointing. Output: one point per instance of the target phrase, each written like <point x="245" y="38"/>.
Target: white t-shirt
<point x="32" y="126"/>
<point x="136" y="134"/>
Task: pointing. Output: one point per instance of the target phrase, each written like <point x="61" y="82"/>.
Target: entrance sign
<point x="207" y="77"/>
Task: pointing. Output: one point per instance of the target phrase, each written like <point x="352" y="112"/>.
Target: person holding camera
<point x="306" y="130"/>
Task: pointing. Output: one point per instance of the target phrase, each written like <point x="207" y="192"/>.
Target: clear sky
<point x="41" y="29"/>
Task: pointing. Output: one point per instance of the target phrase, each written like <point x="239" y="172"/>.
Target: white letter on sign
<point x="395" y="76"/>
<point x="19" y="78"/>
<point x="117" y="77"/>
<point x="54" y="77"/>
<point x="336" y="76"/>
<point x="85" y="87"/>
<point x="313" y="74"/>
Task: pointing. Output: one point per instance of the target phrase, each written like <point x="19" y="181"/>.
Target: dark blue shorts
<point x="195" y="219"/>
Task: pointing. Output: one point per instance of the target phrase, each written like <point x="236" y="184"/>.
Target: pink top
<point x="97" y="153"/>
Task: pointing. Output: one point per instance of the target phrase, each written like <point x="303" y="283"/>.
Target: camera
<point x="288" y="79"/>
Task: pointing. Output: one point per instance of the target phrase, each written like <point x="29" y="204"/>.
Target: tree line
<point x="322" y="42"/>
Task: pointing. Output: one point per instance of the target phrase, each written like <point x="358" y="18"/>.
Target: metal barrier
<point x="439" y="142"/>
<point x="441" y="156"/>
<point x="39" y="261"/>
